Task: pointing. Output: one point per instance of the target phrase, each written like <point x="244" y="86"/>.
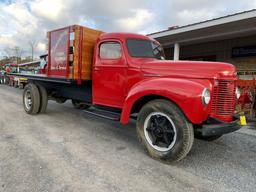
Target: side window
<point x="110" y="50"/>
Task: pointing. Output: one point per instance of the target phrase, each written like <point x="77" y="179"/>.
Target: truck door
<point x="109" y="74"/>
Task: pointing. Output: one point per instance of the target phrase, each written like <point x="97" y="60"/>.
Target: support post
<point x="176" y="55"/>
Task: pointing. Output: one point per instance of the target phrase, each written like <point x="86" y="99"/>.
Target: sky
<point x="22" y="22"/>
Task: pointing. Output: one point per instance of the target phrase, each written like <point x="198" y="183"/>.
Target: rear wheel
<point x="31" y="99"/>
<point x="60" y="100"/>
<point x="164" y="131"/>
<point x="43" y="99"/>
<point x="79" y="105"/>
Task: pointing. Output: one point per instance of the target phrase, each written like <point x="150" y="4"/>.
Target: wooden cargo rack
<point x="70" y="51"/>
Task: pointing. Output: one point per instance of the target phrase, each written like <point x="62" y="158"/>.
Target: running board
<point x="103" y="113"/>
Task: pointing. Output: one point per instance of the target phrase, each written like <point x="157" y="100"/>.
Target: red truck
<point x="128" y="77"/>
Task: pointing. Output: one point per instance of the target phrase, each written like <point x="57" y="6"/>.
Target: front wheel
<point x="164" y="131"/>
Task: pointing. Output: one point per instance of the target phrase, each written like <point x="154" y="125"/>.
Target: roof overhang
<point x="238" y="25"/>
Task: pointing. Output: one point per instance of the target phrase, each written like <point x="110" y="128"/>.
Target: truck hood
<point x="188" y="69"/>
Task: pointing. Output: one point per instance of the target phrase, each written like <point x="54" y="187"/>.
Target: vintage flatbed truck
<point x="120" y="76"/>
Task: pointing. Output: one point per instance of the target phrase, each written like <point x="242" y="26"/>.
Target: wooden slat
<point x="89" y="39"/>
<point x="76" y="52"/>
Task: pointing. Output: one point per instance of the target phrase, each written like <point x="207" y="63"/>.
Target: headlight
<point x="238" y="92"/>
<point x="206" y="96"/>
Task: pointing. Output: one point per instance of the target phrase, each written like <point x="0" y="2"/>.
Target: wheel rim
<point x="28" y="100"/>
<point x="160" y="131"/>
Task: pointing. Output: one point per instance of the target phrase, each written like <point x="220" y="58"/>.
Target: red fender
<point x="186" y="94"/>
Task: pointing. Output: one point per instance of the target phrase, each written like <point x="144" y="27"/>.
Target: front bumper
<point x="215" y="127"/>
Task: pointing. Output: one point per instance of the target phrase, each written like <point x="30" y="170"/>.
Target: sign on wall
<point x="247" y="51"/>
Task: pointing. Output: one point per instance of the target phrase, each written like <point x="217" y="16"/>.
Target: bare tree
<point x="33" y="45"/>
<point x="8" y="52"/>
<point x="17" y="52"/>
<point x="14" y="54"/>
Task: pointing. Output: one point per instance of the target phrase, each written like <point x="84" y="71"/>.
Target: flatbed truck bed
<point x="61" y="89"/>
<point x="45" y="78"/>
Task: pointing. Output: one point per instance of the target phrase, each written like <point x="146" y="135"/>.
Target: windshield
<point x="145" y="48"/>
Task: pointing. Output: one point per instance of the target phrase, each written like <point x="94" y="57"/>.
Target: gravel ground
<point x="68" y="150"/>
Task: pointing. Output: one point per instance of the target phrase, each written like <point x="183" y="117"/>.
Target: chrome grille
<point x="223" y="101"/>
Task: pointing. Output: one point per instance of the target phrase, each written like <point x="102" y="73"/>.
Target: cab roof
<point x="124" y="36"/>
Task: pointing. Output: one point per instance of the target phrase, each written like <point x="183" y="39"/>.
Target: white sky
<point x="23" y="21"/>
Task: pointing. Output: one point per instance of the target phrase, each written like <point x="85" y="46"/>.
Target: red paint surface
<point x="58" y="52"/>
<point x="120" y="83"/>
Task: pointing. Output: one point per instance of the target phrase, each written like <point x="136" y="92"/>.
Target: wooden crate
<point x="84" y="43"/>
<point x="71" y="51"/>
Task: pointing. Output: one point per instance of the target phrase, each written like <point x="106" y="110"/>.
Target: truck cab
<point x="172" y="101"/>
<point x="130" y="71"/>
<point x="127" y="62"/>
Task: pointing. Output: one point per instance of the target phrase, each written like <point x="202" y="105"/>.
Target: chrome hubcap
<point x="28" y="100"/>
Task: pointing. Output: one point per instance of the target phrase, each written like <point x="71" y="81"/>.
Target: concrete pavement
<point x="68" y="150"/>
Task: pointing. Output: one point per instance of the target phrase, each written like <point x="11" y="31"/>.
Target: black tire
<point x="32" y="94"/>
<point x="21" y="86"/>
<point x="183" y="141"/>
<point x="43" y="99"/>
<point x="207" y="138"/>
<point x="79" y="105"/>
<point x="60" y="100"/>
